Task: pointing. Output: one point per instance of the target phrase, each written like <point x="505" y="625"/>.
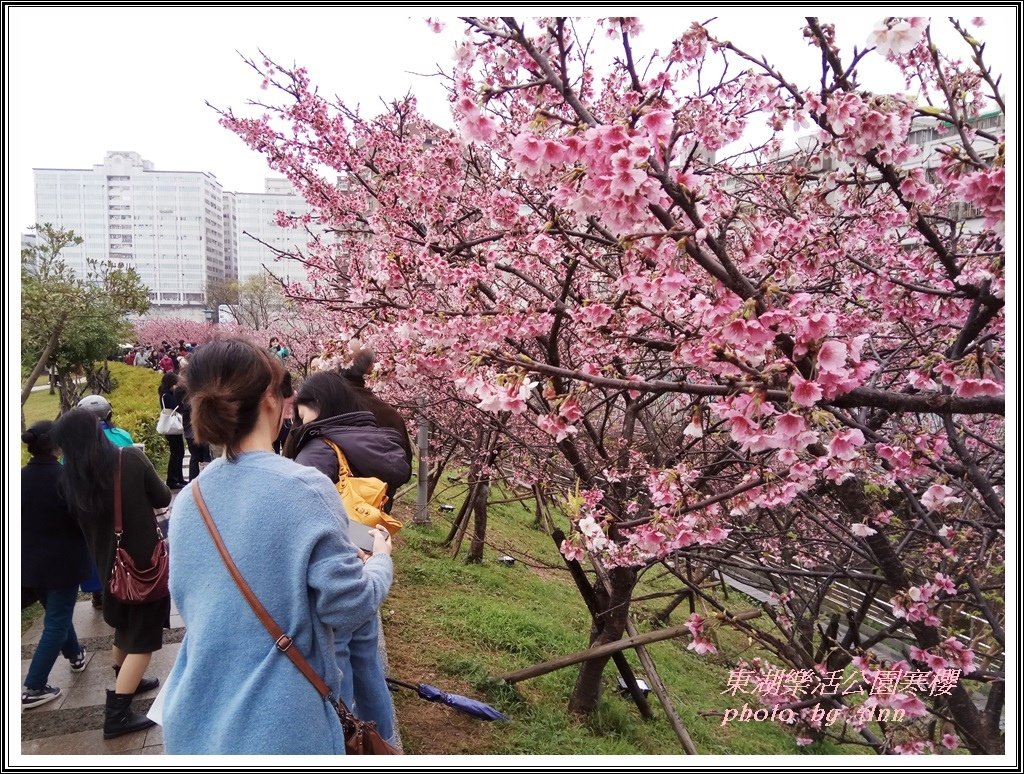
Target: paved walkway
<point x="45" y="729"/>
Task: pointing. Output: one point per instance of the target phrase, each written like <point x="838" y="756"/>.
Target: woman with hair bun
<point x="232" y="691"/>
<point x="54" y="560"/>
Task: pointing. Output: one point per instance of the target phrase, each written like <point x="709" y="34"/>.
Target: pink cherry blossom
<point x="695" y="428"/>
<point x="658" y="125"/>
<point x="805" y="392"/>
<point x="845" y="444"/>
<point x="938" y="496"/>
<point x="701" y="646"/>
<point x="987" y="190"/>
<point x="910" y="747"/>
<point x="790" y="425"/>
<point x="910" y="704"/>
<point x="695" y="623"/>
<point x="969" y="388"/>
<point x="570" y="410"/>
<point x="832" y="357"/>
<point x="571" y="551"/>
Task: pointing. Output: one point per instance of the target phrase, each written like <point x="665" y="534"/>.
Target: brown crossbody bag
<point x="127" y="582"/>
<point x="361" y="737"/>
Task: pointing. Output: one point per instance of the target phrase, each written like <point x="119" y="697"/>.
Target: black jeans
<point x="197" y="453"/>
<point x="174" y="463"/>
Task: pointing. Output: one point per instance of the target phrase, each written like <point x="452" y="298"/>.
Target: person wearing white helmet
<point x="101" y="408"/>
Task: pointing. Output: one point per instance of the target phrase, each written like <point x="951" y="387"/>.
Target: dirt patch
<point x="429" y="728"/>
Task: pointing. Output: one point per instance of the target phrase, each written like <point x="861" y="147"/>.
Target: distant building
<point x="230" y="237"/>
<point x="257" y="236"/>
<point x="168" y="225"/>
<point x="179" y="229"/>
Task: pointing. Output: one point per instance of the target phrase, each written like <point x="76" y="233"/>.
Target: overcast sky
<point x="83" y="81"/>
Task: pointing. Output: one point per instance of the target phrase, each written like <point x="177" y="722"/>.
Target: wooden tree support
<point x="613" y="647"/>
<point x="585" y="655"/>
<point x="658" y="686"/>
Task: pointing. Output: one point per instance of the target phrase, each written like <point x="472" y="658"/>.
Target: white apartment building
<point x="230" y="237"/>
<point x="258" y="237"/>
<point x="932" y="135"/>
<point x="168" y="225"/>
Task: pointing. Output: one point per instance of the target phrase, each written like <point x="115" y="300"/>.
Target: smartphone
<point x="360" y="534"/>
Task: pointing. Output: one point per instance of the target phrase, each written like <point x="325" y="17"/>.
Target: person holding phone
<point x="326" y="406"/>
<point x="231" y="690"/>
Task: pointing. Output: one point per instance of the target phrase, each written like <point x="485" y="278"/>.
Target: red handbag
<point x="361" y="736"/>
<point x="127" y="582"/>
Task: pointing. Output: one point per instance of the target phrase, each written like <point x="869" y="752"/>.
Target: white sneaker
<point x="78" y="662"/>
<point x="33" y="697"/>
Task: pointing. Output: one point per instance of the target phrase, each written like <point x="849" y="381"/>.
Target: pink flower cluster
<point x="918" y="603"/>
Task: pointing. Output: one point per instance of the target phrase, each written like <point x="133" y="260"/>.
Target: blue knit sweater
<point x="231" y="690"/>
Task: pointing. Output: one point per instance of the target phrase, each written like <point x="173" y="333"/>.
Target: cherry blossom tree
<point x="151" y="331"/>
<point x="785" y="366"/>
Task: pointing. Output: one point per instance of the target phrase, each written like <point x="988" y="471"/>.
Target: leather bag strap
<point x="344" y="470"/>
<point x="118" y="521"/>
<point x="281" y="640"/>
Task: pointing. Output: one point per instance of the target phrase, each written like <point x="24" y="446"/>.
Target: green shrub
<point x="137" y="408"/>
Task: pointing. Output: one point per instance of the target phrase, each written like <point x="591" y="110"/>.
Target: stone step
<point x="72" y="724"/>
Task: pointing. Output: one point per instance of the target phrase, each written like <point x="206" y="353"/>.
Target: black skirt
<point x="137" y="628"/>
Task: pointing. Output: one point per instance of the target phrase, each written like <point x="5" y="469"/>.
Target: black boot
<point x="97" y="600"/>
<point x="119" y="717"/>
<point x="145" y="684"/>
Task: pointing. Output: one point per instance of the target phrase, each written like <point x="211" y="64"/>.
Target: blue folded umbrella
<point x="454" y="700"/>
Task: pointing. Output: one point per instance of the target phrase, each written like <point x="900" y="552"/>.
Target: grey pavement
<point x="73" y="723"/>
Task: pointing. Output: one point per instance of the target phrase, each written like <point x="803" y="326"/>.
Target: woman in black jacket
<point x="198" y="453"/>
<point x="170" y="399"/>
<point x="54" y="560"/>
<point x="327" y="409"/>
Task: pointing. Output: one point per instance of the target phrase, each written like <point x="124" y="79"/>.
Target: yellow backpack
<point x="363" y="497"/>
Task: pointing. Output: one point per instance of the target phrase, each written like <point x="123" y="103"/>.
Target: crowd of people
<point x="279" y="516"/>
<point x="166" y="357"/>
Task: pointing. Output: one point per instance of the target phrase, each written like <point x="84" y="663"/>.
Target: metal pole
<point x="423" y="438"/>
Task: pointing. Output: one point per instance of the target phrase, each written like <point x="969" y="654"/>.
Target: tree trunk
<point x="44" y="358"/>
<point x="69" y="395"/>
<point x="590" y="599"/>
<point x="613" y="609"/>
<point x="97" y="380"/>
<point x="476" y="546"/>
